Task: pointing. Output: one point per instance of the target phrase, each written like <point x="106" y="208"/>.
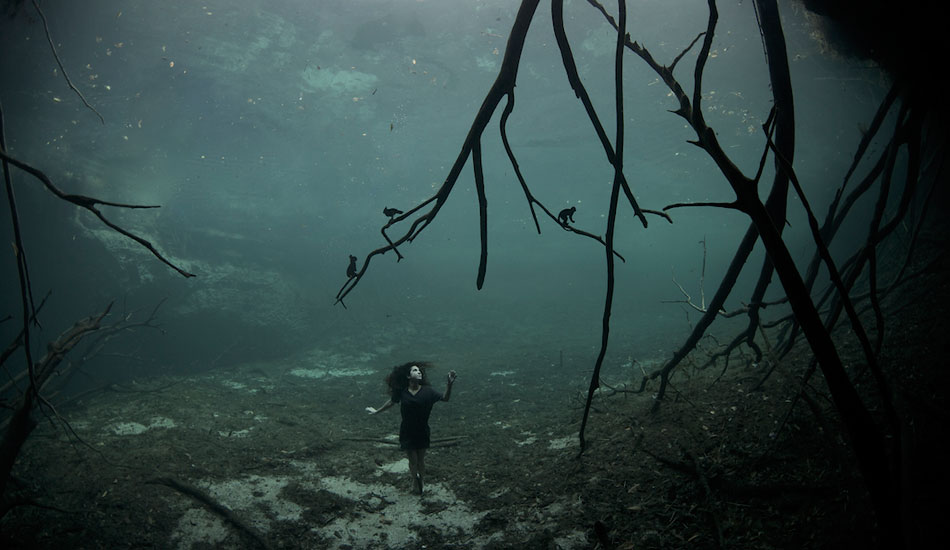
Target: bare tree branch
<point x="90" y="203"/>
<point x="503" y="85"/>
<point x="21" y="422"/>
<point x="59" y="62"/>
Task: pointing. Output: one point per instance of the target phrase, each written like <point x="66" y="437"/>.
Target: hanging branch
<point x="909" y="124"/>
<point x="854" y="265"/>
<point x="693" y="115"/>
<point x="529" y="196"/>
<point x="570" y="67"/>
<point x="841" y="206"/>
<point x="503" y="130"/>
<point x="856" y="325"/>
<point x="52" y="47"/>
<point x="558" y="18"/>
<point x="90" y="203"/>
<point x="26" y="289"/>
<point x="691" y="111"/>
<point x="27" y="306"/>
<point x="832" y="224"/>
<point x="26" y="293"/>
<point x="865" y="436"/>
<point x="870" y="133"/>
<point x="482" y="213"/>
<point x="727" y="205"/>
<point x="503" y="86"/>
<point x="776" y="205"/>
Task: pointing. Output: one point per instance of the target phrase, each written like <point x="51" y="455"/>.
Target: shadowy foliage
<point x="903" y="177"/>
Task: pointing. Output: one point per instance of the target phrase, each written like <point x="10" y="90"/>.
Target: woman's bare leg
<point x="420" y="466"/>
<point x="414" y="461"/>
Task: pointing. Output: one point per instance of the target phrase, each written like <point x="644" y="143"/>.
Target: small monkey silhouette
<point x="351" y="269"/>
<point x="566" y="215"/>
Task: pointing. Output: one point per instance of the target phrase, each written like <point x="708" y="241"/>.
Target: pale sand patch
<point x="324" y="372"/>
<point x="565" y="442"/>
<point x="390" y="516"/>
<point x="135" y="428"/>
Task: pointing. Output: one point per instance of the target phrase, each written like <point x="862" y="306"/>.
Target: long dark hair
<point x="398" y="379"/>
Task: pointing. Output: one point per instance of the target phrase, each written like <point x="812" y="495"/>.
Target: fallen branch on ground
<point x="212" y="505"/>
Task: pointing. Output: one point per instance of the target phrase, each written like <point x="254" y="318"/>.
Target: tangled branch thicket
<point x="855" y="281"/>
<point x="21" y="402"/>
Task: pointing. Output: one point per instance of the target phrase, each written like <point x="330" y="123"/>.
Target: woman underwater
<point x="409" y="386"/>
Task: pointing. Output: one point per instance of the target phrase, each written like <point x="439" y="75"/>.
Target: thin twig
<point x="59" y="62"/>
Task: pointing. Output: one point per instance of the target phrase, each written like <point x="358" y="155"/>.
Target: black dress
<point x="415" y="409"/>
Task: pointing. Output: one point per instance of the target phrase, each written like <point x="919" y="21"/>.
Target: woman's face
<point x="415" y="373"/>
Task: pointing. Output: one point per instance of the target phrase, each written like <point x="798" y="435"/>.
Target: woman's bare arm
<point x="386" y="405"/>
